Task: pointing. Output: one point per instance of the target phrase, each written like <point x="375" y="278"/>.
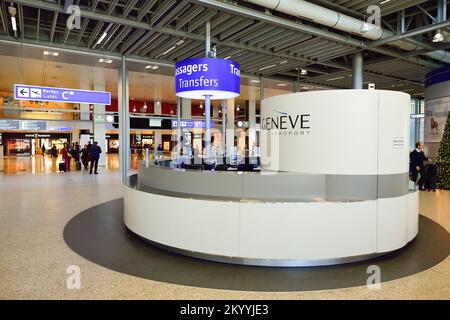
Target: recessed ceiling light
<point x="153" y="67"/>
<point x="254" y="81"/>
<point x="101" y="60"/>
<point x="303" y="72"/>
<point x="281" y="84"/>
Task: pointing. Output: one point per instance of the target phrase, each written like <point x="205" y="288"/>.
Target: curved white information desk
<point x="334" y="195"/>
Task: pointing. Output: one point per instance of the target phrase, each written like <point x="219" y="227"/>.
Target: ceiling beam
<point x="409" y="34"/>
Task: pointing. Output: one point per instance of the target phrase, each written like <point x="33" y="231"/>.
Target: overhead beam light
<point x="303" y="72"/>
<point x="332" y="79"/>
<point x="101" y="60"/>
<point x="267" y="67"/>
<point x="385" y="1"/>
<point x="168" y="50"/>
<point x="51" y="53"/>
<point x="102" y="37"/>
<point x="13" y="11"/>
<point x="281" y="84"/>
<point x="254" y="81"/>
<point x="153" y="67"/>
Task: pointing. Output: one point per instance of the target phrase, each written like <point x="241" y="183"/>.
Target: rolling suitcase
<point x="62" y="167"/>
<point x="430" y="177"/>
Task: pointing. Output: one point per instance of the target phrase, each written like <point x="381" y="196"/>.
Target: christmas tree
<point x="443" y="160"/>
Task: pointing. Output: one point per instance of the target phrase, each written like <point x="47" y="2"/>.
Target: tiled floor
<point x="34" y="208"/>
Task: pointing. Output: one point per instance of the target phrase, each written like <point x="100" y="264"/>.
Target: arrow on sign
<point x="22" y="92"/>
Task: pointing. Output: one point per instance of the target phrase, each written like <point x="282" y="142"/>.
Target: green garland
<point x="443" y="160"/>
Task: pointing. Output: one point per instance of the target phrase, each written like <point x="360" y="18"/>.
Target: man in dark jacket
<point x="417" y="158"/>
<point x="95" y="155"/>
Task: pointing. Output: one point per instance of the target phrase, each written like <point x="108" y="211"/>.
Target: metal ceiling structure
<point x="265" y="43"/>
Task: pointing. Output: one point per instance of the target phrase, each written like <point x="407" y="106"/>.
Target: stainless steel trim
<point x="270" y="186"/>
<point x="264" y="262"/>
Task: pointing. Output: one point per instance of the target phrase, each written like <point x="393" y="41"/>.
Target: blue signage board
<point x="191" y="124"/>
<point x="24" y="92"/>
<point x="198" y="77"/>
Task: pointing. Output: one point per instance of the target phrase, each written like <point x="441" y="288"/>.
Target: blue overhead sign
<point x="196" y="78"/>
<point x="24" y="92"/>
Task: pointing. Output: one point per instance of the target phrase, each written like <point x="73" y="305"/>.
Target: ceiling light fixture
<point x="281" y="84"/>
<point x="153" y="67"/>
<point x="438" y="36"/>
<point x="332" y="79"/>
<point x="13" y="11"/>
<point x="303" y="72"/>
<point x="254" y="81"/>
<point x="267" y="67"/>
<point x="168" y="50"/>
<point x="237" y="108"/>
<point x="200" y="106"/>
<point x="14" y="23"/>
<point x="102" y="37"/>
<point x="364" y="27"/>
<point x="385" y="1"/>
<point x="227" y="57"/>
<point x="51" y="53"/>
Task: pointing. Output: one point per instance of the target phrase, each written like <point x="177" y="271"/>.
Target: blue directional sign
<point x="24" y="92"/>
<point x="191" y="124"/>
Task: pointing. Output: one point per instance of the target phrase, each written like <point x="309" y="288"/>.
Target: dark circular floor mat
<point x="99" y="235"/>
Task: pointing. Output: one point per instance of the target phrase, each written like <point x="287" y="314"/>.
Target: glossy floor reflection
<point x="34" y="258"/>
<point x="46" y="164"/>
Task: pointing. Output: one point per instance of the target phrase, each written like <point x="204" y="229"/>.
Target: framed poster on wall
<point x="436" y="112"/>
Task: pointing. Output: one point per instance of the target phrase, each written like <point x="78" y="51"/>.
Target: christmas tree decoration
<point x="443" y="160"/>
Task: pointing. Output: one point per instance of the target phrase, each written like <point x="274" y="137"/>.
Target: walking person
<point x="54" y="151"/>
<point x="95" y="156"/>
<point x="85" y="156"/>
<point x="43" y="150"/>
<point x="66" y="156"/>
<point x="417" y="158"/>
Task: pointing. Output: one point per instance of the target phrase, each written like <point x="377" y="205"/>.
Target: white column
<point x="158" y="134"/>
<point x="100" y="126"/>
<point x="229" y="139"/>
<point x="124" y="119"/>
<point x="186" y="110"/>
<point x="84" y="114"/>
<point x="252" y="129"/>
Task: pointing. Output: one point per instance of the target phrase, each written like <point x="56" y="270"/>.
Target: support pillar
<point x="252" y="129"/>
<point x="100" y="125"/>
<point x="124" y="120"/>
<point x="229" y="138"/>
<point x="158" y="134"/>
<point x="357" y="71"/>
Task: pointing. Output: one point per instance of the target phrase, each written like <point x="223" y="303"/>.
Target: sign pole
<point x="207" y="97"/>
<point x="178" y="128"/>
<point x="224" y="124"/>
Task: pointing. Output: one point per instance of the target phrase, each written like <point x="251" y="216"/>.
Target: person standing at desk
<point x="417" y="158"/>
